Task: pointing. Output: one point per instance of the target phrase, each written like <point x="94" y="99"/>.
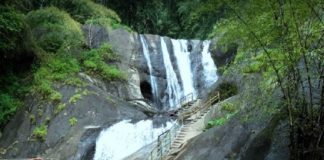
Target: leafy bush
<point x="73" y="121"/>
<point x="95" y="60"/>
<point x="227" y="90"/>
<point x="53" y="69"/>
<point x="60" y="107"/>
<point x="8" y="106"/>
<point x="56" y="96"/>
<point x="12" y="26"/>
<point x="228" y="107"/>
<point x="40" y="132"/>
<point x="54" y="29"/>
<point x="83" y="10"/>
<point x="216" y="122"/>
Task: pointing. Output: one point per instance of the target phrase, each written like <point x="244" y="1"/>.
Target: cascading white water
<point x="210" y="75"/>
<point x="149" y="64"/>
<point x="184" y="64"/>
<point x="173" y="86"/>
<point x="125" y="138"/>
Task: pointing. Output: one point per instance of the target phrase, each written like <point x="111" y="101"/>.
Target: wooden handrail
<point x="159" y="150"/>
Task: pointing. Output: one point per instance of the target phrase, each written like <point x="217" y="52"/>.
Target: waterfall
<point x="184" y="64"/>
<point x="149" y="64"/>
<point x="173" y="87"/>
<point x="210" y="75"/>
<point x="124" y="138"/>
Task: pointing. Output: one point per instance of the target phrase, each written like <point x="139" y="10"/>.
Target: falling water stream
<point x="210" y="70"/>
<point x="172" y="80"/>
<point x="124" y="138"/>
<point x="184" y="64"/>
<point x="149" y="64"/>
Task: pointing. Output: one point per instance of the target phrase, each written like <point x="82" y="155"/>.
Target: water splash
<point x="124" y="138"/>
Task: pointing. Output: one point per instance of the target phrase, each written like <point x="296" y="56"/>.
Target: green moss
<point x="217" y="122"/>
<point x="75" y="98"/>
<point x="73" y="121"/>
<point x="40" y="132"/>
<point x="54" y="29"/>
<point x="56" y="97"/>
<point x="40" y="112"/>
<point x="60" y="107"/>
<point x="32" y="119"/>
<point x="47" y="119"/>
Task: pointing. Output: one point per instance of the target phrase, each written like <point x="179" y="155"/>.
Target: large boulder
<point x="91" y="107"/>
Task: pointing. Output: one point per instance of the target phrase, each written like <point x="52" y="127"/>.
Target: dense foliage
<point x="180" y="19"/>
<point x="283" y="40"/>
<point x="42" y="45"/>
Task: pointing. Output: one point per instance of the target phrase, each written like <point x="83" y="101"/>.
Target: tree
<point x="287" y="39"/>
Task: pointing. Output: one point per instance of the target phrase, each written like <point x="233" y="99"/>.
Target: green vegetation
<point x="228" y="107"/>
<point x="40" y="132"/>
<point x="282" y="41"/>
<point x="8" y="106"/>
<point x="217" y="122"/>
<point x="226" y="90"/>
<point x="75" y="98"/>
<point x="32" y="119"/>
<point x="55" y="69"/>
<point x="95" y="60"/>
<point x="54" y="29"/>
<point x="12" y="26"/>
<point x="73" y="121"/>
<point x="60" y="107"/>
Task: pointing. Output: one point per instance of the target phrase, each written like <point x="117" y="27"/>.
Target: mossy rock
<point x="54" y="29"/>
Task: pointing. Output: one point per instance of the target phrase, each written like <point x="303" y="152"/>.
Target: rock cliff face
<point x="130" y="48"/>
<point x="102" y="104"/>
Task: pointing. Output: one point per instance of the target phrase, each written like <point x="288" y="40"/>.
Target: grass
<point x="73" y="121"/>
<point x="59" y="108"/>
<point x="94" y="61"/>
<point x="228" y="107"/>
<point x="40" y="132"/>
<point x="75" y="98"/>
<point x="219" y="121"/>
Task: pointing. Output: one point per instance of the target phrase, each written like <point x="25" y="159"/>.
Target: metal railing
<point x="166" y="139"/>
<point x="164" y="143"/>
<point x="185" y="100"/>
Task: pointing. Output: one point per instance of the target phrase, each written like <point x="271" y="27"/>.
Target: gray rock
<point x="96" y="108"/>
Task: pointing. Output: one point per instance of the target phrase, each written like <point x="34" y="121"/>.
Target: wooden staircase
<point x="190" y="116"/>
